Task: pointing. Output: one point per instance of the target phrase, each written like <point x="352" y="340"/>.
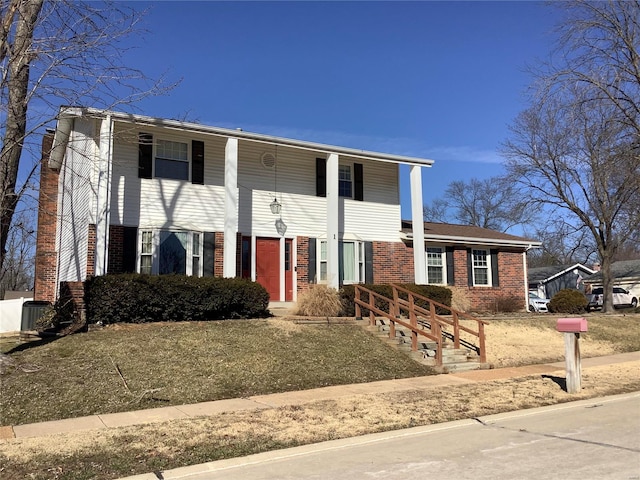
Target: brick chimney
<point x="46" y="255"/>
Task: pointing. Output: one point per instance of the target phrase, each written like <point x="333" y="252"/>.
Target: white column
<point x="230" y="207"/>
<point x="419" y="256"/>
<point x="283" y="274"/>
<point x="103" y="196"/>
<point x="526" y="280"/>
<point x="333" y="217"/>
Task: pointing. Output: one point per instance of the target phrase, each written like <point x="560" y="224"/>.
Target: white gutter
<point x="69" y="112"/>
<point x="527" y="244"/>
<point x="60" y="141"/>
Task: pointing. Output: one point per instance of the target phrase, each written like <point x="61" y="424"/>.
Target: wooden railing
<point x="425" y="322"/>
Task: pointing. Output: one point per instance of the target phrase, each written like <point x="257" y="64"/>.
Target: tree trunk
<point x="607" y="281"/>
<point x="20" y="56"/>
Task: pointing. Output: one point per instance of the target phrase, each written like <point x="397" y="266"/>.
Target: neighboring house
<point x="547" y="281"/>
<point x="626" y="274"/>
<point x="130" y="193"/>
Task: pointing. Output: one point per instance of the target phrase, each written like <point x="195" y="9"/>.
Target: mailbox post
<point x="572" y="327"/>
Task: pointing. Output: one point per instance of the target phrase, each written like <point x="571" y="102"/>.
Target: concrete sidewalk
<point x="258" y="402"/>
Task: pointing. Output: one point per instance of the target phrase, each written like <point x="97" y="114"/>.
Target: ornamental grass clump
<point x="319" y="301"/>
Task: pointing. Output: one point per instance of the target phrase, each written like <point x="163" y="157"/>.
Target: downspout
<point x="61" y="137"/>
<point x="526" y="276"/>
<point x="103" y="200"/>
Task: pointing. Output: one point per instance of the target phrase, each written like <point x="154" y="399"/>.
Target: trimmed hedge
<point x="568" y="301"/>
<point x="439" y="294"/>
<point x="136" y="298"/>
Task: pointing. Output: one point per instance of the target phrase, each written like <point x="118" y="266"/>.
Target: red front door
<point x="268" y="266"/>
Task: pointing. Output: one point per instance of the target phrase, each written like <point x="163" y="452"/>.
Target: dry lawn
<point x="100" y="454"/>
<point x="107" y="454"/>
<point x="512" y="344"/>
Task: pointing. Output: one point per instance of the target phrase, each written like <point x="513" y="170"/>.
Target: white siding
<point x="178" y="204"/>
<point x="162" y="202"/>
<point x="76" y="201"/>
<point x="375" y="218"/>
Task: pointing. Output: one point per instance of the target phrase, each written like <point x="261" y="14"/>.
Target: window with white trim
<point x="436" y="266"/>
<point x="146" y="252"/>
<point x="167" y="251"/>
<point x="196" y="249"/>
<point x="171" y="160"/>
<point x="481" y="267"/>
<point x="351" y="262"/>
<point x="345" y="181"/>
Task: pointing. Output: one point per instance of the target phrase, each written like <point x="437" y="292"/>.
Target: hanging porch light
<point x="275" y="206"/>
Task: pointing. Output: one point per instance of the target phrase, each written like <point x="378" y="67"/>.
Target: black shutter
<point x="358" y="190"/>
<point x="321" y="177"/>
<point x="197" y="162"/>
<point x="208" y="258"/>
<point x="312" y="260"/>
<point x="340" y="261"/>
<point x="368" y="262"/>
<point x="450" y="267"/>
<point x="130" y="249"/>
<point x="145" y="155"/>
<point x="494" y="268"/>
<point x="469" y="268"/>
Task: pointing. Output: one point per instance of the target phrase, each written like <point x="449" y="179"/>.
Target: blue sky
<point x="440" y="80"/>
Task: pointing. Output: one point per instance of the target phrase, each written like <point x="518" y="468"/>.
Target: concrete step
<point x="453" y="359"/>
<point x="461" y="367"/>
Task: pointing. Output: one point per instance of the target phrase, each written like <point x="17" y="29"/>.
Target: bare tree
<point x="52" y="53"/>
<point x="17" y="271"/>
<point x="562" y="243"/>
<point x="491" y="203"/>
<point x="576" y="149"/>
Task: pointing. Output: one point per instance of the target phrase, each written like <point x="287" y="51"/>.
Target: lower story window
<point x="481" y="267"/>
<point x="435" y="266"/>
<point x="165" y="251"/>
<point x="350" y="258"/>
<point x="146" y="253"/>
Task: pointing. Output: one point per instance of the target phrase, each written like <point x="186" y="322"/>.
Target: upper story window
<point x="481" y="262"/>
<point x="172" y="160"/>
<point x="161" y="158"/>
<point x="350" y="180"/>
<point x="436" y="266"/>
<point x="345" y="182"/>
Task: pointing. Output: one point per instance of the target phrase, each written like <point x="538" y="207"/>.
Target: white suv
<point x="621" y="298"/>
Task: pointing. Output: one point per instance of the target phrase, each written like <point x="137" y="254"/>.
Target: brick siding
<point x="73" y="292"/>
<point x="91" y="251"/>
<point x="392" y="262"/>
<point x="218" y="254"/>
<point x="302" y="262"/>
<point x="510" y="277"/>
<point x="116" y="249"/>
<point x="46" y="258"/>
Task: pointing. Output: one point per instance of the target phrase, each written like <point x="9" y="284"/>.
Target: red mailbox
<point x="575" y="325"/>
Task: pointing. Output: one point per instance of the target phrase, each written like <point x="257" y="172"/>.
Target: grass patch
<point x="166" y="364"/>
<point x="113" y="453"/>
<point x="130" y="367"/>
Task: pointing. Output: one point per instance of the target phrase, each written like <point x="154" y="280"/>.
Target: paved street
<point x="591" y="439"/>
